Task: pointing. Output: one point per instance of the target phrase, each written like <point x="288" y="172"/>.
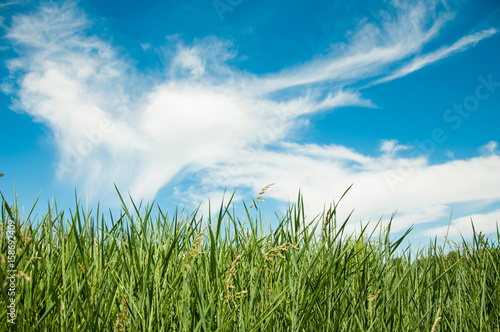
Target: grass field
<point x="148" y="270"/>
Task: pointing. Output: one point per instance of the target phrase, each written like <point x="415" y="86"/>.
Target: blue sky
<point x="178" y="101"/>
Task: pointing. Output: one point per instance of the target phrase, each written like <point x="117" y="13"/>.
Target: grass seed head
<point x="435" y="324"/>
<point x="262" y="192"/>
<point x="122" y="319"/>
<point x="229" y="279"/>
<point x="193" y="252"/>
<point x="112" y="262"/>
<point x="21" y="274"/>
<point x="276" y="252"/>
<point x="328" y="217"/>
<point x="81" y="268"/>
<point x="241" y="294"/>
<point x="372" y="298"/>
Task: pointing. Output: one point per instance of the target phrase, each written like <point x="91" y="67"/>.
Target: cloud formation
<point x="200" y="116"/>
<point x="459" y="46"/>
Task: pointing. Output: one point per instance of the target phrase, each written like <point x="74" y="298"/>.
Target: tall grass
<point x="146" y="270"/>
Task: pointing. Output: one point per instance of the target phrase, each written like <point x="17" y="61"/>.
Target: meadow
<point x="149" y="270"/>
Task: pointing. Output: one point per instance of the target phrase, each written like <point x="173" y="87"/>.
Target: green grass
<point x="146" y="270"/>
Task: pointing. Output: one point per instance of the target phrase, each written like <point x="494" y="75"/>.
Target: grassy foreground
<point x="147" y="271"/>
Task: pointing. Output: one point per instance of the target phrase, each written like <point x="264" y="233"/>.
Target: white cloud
<point x="190" y="60"/>
<point x="198" y="115"/>
<point x="75" y="82"/>
<point x="407" y="29"/>
<point x="10" y="3"/>
<point x="486" y="223"/>
<point x="459" y="46"/>
<point x="423" y="194"/>
<point x="391" y="147"/>
<point x="489" y="148"/>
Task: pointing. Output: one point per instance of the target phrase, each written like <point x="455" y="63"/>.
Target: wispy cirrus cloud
<point x="403" y="34"/>
<point x="10" y="3"/>
<point x="198" y="115"/>
<point x="459" y="46"/>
